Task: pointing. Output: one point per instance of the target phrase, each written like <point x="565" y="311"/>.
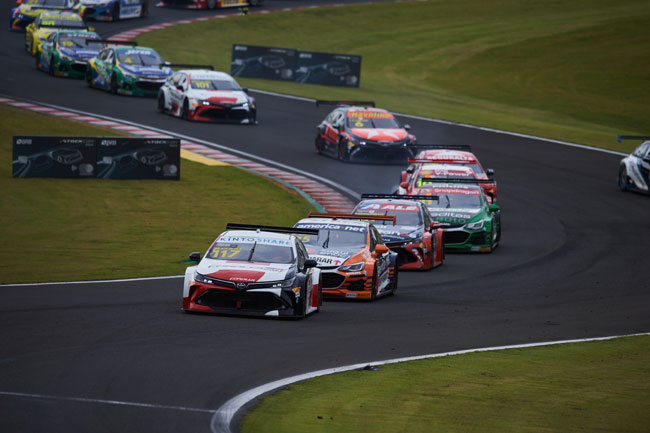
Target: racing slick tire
<point x="186" y="109"/>
<point x="320" y="294"/>
<point x="319" y="146"/>
<point x="38" y="60"/>
<point x="373" y="291"/>
<point x="161" y="102"/>
<point x="114" y="84"/>
<point x="393" y="282"/>
<point x="212" y="4"/>
<point x="115" y="13"/>
<point x="144" y="9"/>
<point x="50" y="68"/>
<point x="89" y="77"/>
<point x="622" y="179"/>
<point x="342" y="152"/>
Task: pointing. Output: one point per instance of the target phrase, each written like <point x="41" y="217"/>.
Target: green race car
<point x="469" y="221"/>
<point x="65" y="53"/>
<point x="127" y="70"/>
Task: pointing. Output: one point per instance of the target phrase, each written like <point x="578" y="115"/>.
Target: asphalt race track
<point x="573" y="264"/>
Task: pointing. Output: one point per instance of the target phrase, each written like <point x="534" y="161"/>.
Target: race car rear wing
<point x="110" y="42"/>
<point x="464" y="147"/>
<point x="320" y="102"/>
<point x="186" y="66"/>
<point x="273" y="229"/>
<point x="421" y="160"/>
<point x="632" y="137"/>
<point x="456" y="180"/>
<point x="399" y="197"/>
<point x="351" y="216"/>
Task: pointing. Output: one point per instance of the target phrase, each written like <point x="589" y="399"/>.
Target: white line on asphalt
<point x="100" y="401"/>
<point x="123" y="280"/>
<point x="223" y="416"/>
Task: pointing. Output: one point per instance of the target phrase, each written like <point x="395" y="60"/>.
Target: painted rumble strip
<point x="317" y="191"/>
<point x="223" y="416"/>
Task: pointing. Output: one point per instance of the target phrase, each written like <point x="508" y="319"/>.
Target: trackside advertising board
<point x="286" y="64"/>
<point x="96" y="157"/>
<point x="62" y="157"/>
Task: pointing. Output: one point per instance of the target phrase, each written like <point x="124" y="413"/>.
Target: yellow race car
<point x="46" y="23"/>
<point x="26" y="11"/>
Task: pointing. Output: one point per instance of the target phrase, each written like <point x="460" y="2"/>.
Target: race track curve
<point x="573" y="264"/>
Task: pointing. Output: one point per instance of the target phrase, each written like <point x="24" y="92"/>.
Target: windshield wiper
<point x="327" y="241"/>
<point x="250" y="256"/>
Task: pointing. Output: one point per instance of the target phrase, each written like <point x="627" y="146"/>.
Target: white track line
<point x="223" y="416"/>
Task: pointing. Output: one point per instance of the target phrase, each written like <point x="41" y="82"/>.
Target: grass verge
<point x="74" y="229"/>
<point x="596" y="386"/>
<point x="574" y="71"/>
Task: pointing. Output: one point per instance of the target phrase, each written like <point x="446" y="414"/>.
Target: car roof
<point x="447" y="155"/>
<point x="259" y="235"/>
<point x="391" y="201"/>
<point x="206" y="74"/>
<point x="337" y="221"/>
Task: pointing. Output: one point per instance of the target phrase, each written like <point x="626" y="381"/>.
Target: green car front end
<point x="66" y="53"/>
<point x="469" y="221"/>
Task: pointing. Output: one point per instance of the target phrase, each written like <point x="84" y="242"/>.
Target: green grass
<point x="74" y="229"/>
<point x="588" y="387"/>
<point x="574" y="71"/>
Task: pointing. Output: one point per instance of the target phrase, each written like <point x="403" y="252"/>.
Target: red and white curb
<point x="321" y="195"/>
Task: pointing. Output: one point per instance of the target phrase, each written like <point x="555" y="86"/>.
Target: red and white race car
<point x="420" y="171"/>
<point x="415" y="237"/>
<point x="206" y="95"/>
<point x="255" y="270"/>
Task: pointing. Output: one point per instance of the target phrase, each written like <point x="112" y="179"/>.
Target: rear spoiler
<point x="457" y="180"/>
<point x="397" y="196"/>
<point x="111" y="42"/>
<point x="320" y="102"/>
<point x="351" y="216"/>
<point x="273" y="229"/>
<point x="464" y="147"/>
<point x="422" y="160"/>
<point x="632" y="137"/>
<point x="186" y="66"/>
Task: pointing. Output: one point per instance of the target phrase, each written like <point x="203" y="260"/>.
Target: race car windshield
<point x="251" y="252"/>
<point x="215" y="85"/>
<point x="76" y="42"/>
<point x="61" y="3"/>
<point x="401" y="218"/>
<point x="372" y="122"/>
<point x="68" y="22"/>
<point x="454" y="201"/>
<point x="139" y="58"/>
<point x="328" y="238"/>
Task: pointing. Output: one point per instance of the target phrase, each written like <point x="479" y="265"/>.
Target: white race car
<point x="255" y="270"/>
<point x="634" y="169"/>
<point x="205" y="95"/>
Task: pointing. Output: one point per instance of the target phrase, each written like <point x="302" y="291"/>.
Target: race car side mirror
<point x="435" y="225"/>
<point x="490" y="172"/>
<point x="494" y="208"/>
<point x="195" y="257"/>
<point x="179" y="87"/>
<point x="244" y="89"/>
<point x="407" y="127"/>
<point x="381" y="249"/>
<point x="310" y="263"/>
<point x="404" y="185"/>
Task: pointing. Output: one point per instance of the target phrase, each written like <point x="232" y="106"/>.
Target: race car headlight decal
<point x="352" y="268"/>
<point x="289" y="282"/>
<point x="66" y="56"/>
<point x="475" y="226"/>
<point x="128" y="74"/>
<point x="245" y="105"/>
<point x="202" y="279"/>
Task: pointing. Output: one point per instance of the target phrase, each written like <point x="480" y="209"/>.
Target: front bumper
<point x="251" y="302"/>
<point x="213" y="112"/>
<point x="98" y="14"/>
<point x="140" y="87"/>
<point x="354" y="285"/>
<point x="461" y="240"/>
<point x="71" y="68"/>
<point x="410" y="256"/>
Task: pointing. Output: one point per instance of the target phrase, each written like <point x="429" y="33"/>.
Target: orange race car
<point x="353" y="259"/>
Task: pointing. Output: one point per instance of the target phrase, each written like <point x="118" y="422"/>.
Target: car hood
<point x="453" y="217"/>
<point x="243" y="272"/>
<point x="400" y="233"/>
<point x="330" y="257"/>
<point x="225" y="97"/>
<point x="80" y="53"/>
<point x="150" y="71"/>
<point x="377" y="134"/>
